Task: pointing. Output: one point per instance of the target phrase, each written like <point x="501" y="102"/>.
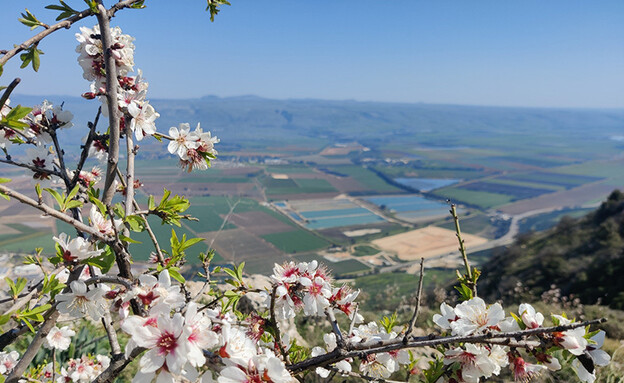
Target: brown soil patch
<point x="426" y="242"/>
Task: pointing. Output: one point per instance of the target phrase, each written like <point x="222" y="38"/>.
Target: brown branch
<point x="8" y="91"/>
<point x="335" y="328"/>
<point x="112" y="84"/>
<point x="64" y="24"/>
<point x="278" y="335"/>
<point x="410" y="328"/>
<point x="56" y="214"/>
<point x="366" y="348"/>
<point x="32" y="167"/>
<point x="148" y="227"/>
<point x="85" y="150"/>
<point x="109" y="279"/>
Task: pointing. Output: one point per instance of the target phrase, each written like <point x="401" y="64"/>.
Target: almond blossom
<point x="59" y="339"/>
<point x="199" y="334"/>
<point x="261" y="368"/>
<point x="143" y="117"/>
<point x="152" y="291"/>
<point x="530" y="317"/>
<point x="474" y="361"/>
<point x="101" y="224"/>
<point x="474" y="316"/>
<point x="80" y="302"/>
<point x="167" y="348"/>
<point x="182" y="140"/>
<point x="76" y="249"/>
<point x="8" y="360"/>
<point x="597" y="356"/>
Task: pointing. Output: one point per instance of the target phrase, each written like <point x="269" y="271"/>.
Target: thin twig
<point x="109" y="279"/>
<point x="329" y="312"/>
<point x="410" y="328"/>
<point x="35" y="169"/>
<point x="7" y="92"/>
<point x="278" y="335"/>
<point x="56" y="214"/>
<point x="85" y="150"/>
<point x="64" y="24"/>
<point x="352" y="325"/>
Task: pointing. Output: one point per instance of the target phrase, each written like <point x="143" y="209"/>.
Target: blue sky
<point x="491" y="52"/>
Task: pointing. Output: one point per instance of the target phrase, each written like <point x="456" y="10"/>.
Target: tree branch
<point x="56" y="214"/>
<point x="410" y="328"/>
<point x="8" y="91"/>
<point x="366" y="348"/>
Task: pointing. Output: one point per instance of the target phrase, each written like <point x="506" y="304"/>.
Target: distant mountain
<point x="584" y="257"/>
<point x="252" y="122"/>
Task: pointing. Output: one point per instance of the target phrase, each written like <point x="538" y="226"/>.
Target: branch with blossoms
<point x="172" y="336"/>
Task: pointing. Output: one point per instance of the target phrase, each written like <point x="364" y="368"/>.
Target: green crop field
<point x="525" y="184"/>
<point x="364" y="250"/>
<point x="298" y="241"/>
<point x="28" y="239"/>
<point x="366" y="177"/>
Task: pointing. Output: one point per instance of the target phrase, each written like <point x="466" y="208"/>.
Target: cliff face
<point x="583" y="257"/>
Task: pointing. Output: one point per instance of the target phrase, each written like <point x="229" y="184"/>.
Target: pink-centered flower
<point x="474" y="317"/>
<point x="59" y="339"/>
<point x="76" y="249"/>
<point x="167" y="347"/>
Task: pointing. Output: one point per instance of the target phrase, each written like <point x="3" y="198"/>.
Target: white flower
<point x="572" y="340"/>
<point x="261" y="368"/>
<point x="237" y="348"/>
<point x="101" y="224"/>
<point x="81" y="302"/>
<point x="530" y="317"/>
<point x="474" y="317"/>
<point x="206" y="141"/>
<point x="59" y="339"/>
<point x="598" y="358"/>
<point x="446" y="318"/>
<point x="143" y="117"/>
<point x="8" y="360"/>
<point x="198" y="331"/>
<point x="474" y="361"/>
<point x="182" y="140"/>
<point x="316" y="299"/>
<point x="525" y="372"/>
<point x="165" y="344"/>
<point x="153" y="291"/>
<point x="77" y="249"/>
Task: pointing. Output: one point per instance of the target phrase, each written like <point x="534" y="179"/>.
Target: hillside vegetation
<point x="582" y="257"/>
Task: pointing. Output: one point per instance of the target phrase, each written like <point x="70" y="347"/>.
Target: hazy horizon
<point x="557" y="54"/>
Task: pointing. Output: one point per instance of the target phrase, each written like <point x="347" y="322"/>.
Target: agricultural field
<point x="411" y="208"/>
<point x="320" y="214"/>
<point x="426" y="184"/>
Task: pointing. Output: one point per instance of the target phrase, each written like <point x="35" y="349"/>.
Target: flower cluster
<point x="473" y="317"/>
<point x="195" y="149"/>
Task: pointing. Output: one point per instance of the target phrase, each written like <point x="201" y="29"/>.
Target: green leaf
<point x="175" y="274"/>
<point x="59" y="199"/>
<point x="213" y="7"/>
<point x="136" y="223"/>
<point x="18" y="113"/>
<point x="66" y="10"/>
<point x="97" y="203"/>
<point x="138" y="5"/>
<point x="128" y="239"/>
<point x="92" y="5"/>
<point x="4" y="180"/>
<point x="4" y="319"/>
<point x="104" y="262"/>
<point x="30" y="20"/>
